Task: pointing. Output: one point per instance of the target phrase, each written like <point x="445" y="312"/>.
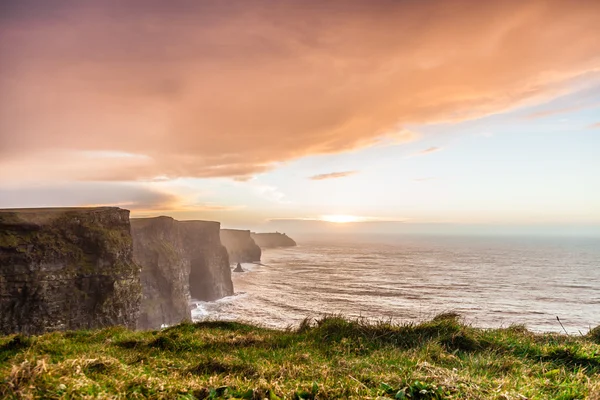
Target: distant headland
<point x="270" y="240"/>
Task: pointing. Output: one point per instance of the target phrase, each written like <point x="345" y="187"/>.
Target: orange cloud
<point x="138" y="198"/>
<point x="596" y="125"/>
<point x="332" y="175"/>
<point x="208" y="89"/>
<point x="557" y="111"/>
<point x="428" y="151"/>
<point x="131" y="196"/>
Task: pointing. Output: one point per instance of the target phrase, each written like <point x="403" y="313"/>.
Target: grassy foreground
<point x="325" y="359"/>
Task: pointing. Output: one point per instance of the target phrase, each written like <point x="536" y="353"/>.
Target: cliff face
<point x="210" y="275"/>
<point x="240" y="246"/>
<point x="266" y="240"/>
<point x="178" y="259"/>
<point x="69" y="268"/>
<point x="158" y="246"/>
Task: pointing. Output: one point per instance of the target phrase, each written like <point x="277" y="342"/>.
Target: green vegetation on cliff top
<point x="325" y="359"/>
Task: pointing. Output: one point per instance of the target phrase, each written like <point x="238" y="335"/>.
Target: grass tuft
<point x="326" y="358"/>
<point x="594" y="334"/>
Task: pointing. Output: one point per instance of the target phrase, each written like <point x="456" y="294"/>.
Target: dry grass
<point x="325" y="359"/>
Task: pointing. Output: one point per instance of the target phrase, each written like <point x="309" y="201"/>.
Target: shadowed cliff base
<point x="327" y="358"/>
<point x="180" y="260"/>
<point x="66" y="268"/>
<point x="270" y="240"/>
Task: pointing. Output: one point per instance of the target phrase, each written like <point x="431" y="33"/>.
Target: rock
<point x="158" y="247"/>
<point x="67" y="268"/>
<point x="267" y="240"/>
<point x="240" y="246"/>
<point x="239" y="268"/>
<point x="210" y="275"/>
<point x="180" y="259"/>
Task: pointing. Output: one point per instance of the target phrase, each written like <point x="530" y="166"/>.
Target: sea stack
<point x="240" y="246"/>
<point x="239" y="268"/>
<point x="67" y="268"/>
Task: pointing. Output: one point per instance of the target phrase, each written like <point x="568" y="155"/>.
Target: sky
<point x="263" y="115"/>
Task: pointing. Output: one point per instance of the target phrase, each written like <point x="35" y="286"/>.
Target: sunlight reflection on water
<point x="492" y="282"/>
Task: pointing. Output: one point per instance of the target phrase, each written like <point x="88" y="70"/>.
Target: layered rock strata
<point x="67" y="268"/>
<point x="210" y="275"/>
<point x="179" y="259"/>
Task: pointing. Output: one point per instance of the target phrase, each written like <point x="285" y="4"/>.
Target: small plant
<point x="416" y="390"/>
<point x="327" y="358"/>
<point x="594" y="334"/>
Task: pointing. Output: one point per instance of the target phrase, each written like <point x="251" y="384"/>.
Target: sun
<point x="341" y="219"/>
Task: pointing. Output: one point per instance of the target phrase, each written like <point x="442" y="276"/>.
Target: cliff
<point x="179" y="259"/>
<point x="67" y="268"/>
<point x="158" y="247"/>
<point x="240" y="246"/>
<point x="210" y="275"/>
<point x="266" y="240"/>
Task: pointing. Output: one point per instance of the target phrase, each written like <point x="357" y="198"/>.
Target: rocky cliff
<point x="69" y="268"/>
<point x="210" y="275"/>
<point x="158" y="246"/>
<point x="266" y="240"/>
<point x="240" y="246"/>
<point x="178" y="259"/>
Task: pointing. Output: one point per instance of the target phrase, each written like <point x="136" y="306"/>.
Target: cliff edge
<point x="266" y="240"/>
<point x="158" y="247"/>
<point x="67" y="268"/>
<point x="210" y="275"/>
<point x="240" y="246"/>
<point x="179" y="259"/>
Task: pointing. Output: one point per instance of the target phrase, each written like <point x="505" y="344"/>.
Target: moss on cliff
<point x="66" y="268"/>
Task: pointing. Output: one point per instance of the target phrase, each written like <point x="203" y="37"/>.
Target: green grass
<point x="324" y="359"/>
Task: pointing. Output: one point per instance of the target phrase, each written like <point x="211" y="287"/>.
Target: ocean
<point x="491" y="281"/>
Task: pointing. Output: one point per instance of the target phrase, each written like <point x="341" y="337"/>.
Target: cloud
<point x="557" y="111"/>
<point x="270" y="193"/>
<point x="596" y="125"/>
<point x="130" y="196"/>
<point x="332" y="175"/>
<point x="136" y="197"/>
<point x="428" y="150"/>
<point x="231" y="89"/>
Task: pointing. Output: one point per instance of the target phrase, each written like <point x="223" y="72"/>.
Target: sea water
<point x="490" y="281"/>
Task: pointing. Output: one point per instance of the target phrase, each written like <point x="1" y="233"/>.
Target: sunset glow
<point x="314" y="178"/>
<point x="341" y="219"/>
<point x="240" y="112"/>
